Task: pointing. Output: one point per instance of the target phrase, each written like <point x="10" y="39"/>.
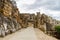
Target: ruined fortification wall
<point x="9" y="15"/>
<point x="12" y="20"/>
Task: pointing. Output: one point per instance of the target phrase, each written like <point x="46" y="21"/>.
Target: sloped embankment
<point x="42" y="36"/>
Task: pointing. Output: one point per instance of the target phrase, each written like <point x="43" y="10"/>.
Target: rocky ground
<point x="29" y="33"/>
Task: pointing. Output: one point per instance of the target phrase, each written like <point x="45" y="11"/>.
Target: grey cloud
<point x="49" y="4"/>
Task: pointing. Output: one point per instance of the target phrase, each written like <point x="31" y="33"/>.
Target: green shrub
<point x="57" y="28"/>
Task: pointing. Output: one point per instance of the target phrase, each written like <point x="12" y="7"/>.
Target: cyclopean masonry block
<point x="38" y="19"/>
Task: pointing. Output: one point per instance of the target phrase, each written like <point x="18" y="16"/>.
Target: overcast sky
<point x="49" y="7"/>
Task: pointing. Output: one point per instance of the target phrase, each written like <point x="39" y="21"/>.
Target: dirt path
<point x="29" y="33"/>
<point x="24" y="34"/>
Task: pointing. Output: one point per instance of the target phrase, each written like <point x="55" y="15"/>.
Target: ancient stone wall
<point x="9" y="16"/>
<point x="12" y="20"/>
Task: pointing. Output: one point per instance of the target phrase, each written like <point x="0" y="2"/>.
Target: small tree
<point x="57" y="28"/>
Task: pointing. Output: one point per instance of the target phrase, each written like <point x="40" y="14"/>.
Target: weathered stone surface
<point x="8" y="24"/>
